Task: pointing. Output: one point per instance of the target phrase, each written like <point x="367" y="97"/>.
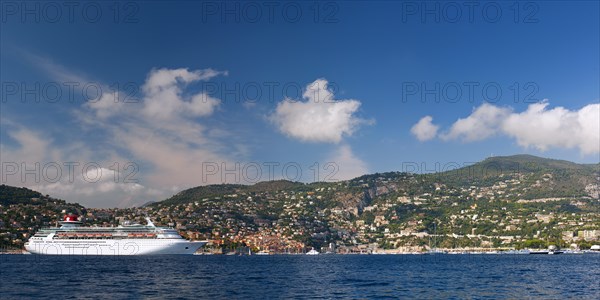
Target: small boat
<point x="436" y="251"/>
<point x="546" y="252"/>
<point x="551" y="250"/>
<point x="312" y="252"/>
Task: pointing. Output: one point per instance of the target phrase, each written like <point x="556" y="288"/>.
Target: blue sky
<point x="204" y="86"/>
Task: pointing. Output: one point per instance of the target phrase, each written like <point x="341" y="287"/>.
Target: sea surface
<point x="300" y="276"/>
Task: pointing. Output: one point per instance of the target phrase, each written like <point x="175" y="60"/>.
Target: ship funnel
<point x="70" y="220"/>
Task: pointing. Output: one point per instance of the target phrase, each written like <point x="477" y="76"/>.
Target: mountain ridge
<point x="467" y="175"/>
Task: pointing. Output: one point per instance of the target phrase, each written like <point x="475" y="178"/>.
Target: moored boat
<point x="551" y="250"/>
<point x="312" y="252"/>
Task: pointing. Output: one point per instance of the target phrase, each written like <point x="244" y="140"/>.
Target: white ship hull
<point x="113" y="247"/>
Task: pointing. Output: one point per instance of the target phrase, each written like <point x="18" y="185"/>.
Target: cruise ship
<point x="71" y="238"/>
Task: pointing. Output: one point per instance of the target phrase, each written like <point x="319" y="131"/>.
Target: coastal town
<point x="379" y="213"/>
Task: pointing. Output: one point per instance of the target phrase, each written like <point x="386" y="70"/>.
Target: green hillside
<point x="500" y="201"/>
<point x="559" y="178"/>
<point x="14" y="195"/>
<point x="24" y="211"/>
<point x="201" y="192"/>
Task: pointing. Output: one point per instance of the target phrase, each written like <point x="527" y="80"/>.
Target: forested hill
<point x="24" y="211"/>
<point x="517" y="197"/>
<point x="542" y="177"/>
<point x="14" y="195"/>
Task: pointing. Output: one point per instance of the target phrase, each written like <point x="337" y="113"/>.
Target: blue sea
<point x="300" y="276"/>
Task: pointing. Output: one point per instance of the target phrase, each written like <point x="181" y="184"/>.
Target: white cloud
<point x="55" y="70"/>
<point x="37" y="162"/>
<point x="107" y="104"/>
<point x="425" y="130"/>
<point x="483" y="123"/>
<point x="161" y="78"/>
<point x="201" y="105"/>
<point x="349" y="166"/>
<point x="318" y="119"/>
<point x="100" y="187"/>
<point x="163" y="96"/>
<point x="158" y="133"/>
<point x="162" y="134"/>
<point x="32" y="145"/>
<point x="176" y="157"/>
<point x="558" y="127"/>
<point x="537" y="127"/>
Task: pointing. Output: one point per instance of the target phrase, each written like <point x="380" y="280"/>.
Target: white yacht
<point x="263" y="252"/>
<point x="312" y="252"/>
<point x="73" y="239"/>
